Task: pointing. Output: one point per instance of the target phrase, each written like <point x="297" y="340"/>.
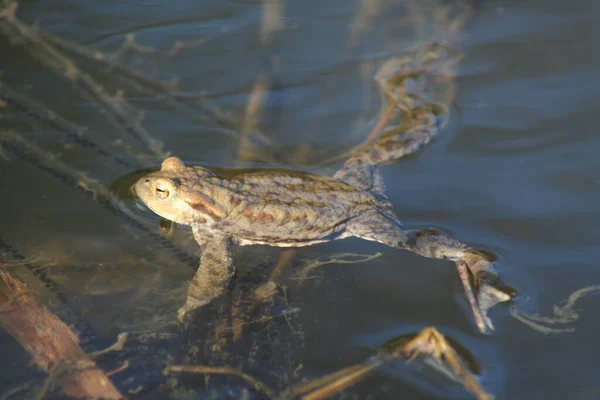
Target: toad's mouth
<point x="140" y="192"/>
<point x="139" y="197"/>
<point x="133" y="193"/>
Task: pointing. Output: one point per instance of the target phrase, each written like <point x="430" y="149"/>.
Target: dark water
<point x="515" y="172"/>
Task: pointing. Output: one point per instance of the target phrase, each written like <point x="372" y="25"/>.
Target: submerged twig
<point x="247" y="151"/>
<point x="271" y="23"/>
<point x="117" y="370"/>
<point x="179" y="45"/>
<point x="149" y="87"/>
<point x="129" y="43"/>
<point x="123" y="115"/>
<point x="260" y="295"/>
<point x="564" y="313"/>
<point x="326" y="386"/>
<point x="117" y="346"/>
<point x="15" y="142"/>
<point x="337" y="258"/>
<point x="40" y="273"/>
<point x="51" y="344"/>
<point x="41" y="113"/>
<point x="267" y="291"/>
<point x="205" y="369"/>
<point x="428" y="342"/>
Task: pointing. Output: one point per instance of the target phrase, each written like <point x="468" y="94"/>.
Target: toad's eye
<point x="162" y="193"/>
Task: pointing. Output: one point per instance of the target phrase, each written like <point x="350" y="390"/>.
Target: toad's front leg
<point x="214" y="272"/>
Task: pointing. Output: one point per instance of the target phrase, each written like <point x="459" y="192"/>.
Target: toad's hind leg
<point x="213" y="275"/>
<point x="474" y="267"/>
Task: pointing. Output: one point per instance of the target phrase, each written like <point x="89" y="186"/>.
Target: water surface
<point x="514" y="172"/>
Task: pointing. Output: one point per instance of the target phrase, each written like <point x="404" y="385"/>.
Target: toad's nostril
<point x="147" y="181"/>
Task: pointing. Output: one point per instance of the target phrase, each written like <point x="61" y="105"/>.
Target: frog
<point x="290" y="208"/>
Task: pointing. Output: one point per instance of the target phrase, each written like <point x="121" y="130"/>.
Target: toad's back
<point x="286" y="208"/>
<point x="276" y="207"/>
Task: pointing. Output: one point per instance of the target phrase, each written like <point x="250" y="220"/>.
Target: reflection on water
<point x="247" y="85"/>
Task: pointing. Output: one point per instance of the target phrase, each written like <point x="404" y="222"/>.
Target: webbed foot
<point x="182" y="313"/>
<point x="481" y="285"/>
<point x="202" y="290"/>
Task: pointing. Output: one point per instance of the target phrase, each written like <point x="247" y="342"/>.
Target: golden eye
<point x="162" y="193"/>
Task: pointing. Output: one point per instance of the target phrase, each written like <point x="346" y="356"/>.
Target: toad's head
<point x="179" y="193"/>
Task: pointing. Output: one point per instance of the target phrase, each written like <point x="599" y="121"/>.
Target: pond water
<point x="514" y="171"/>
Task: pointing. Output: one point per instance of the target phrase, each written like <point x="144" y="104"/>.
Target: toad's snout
<point x="141" y="188"/>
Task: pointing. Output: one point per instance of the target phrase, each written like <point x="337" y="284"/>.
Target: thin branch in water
<point x="247" y="150"/>
<point x="564" y="313"/>
<point x="429" y="342"/>
<point x="3" y="154"/>
<point x="123" y="115"/>
<point x="262" y="294"/>
<point x="267" y="291"/>
<point x="327" y="386"/>
<point x="40" y="113"/>
<point x="524" y="318"/>
<point x="205" y="369"/>
<point x="363" y="19"/>
<point x="272" y="21"/>
<point x="128" y="44"/>
<point x="144" y="85"/>
<point x="338" y="258"/>
<point x="24" y="387"/>
<point x="98" y="190"/>
<point x="122" y="368"/>
<point x="119" y="345"/>
<point x="179" y="45"/>
<point x="39" y="272"/>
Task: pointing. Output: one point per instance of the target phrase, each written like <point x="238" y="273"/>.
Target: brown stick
<point x="51" y="344"/>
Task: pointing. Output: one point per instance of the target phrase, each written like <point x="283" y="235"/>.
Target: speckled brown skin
<point x="292" y="209"/>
